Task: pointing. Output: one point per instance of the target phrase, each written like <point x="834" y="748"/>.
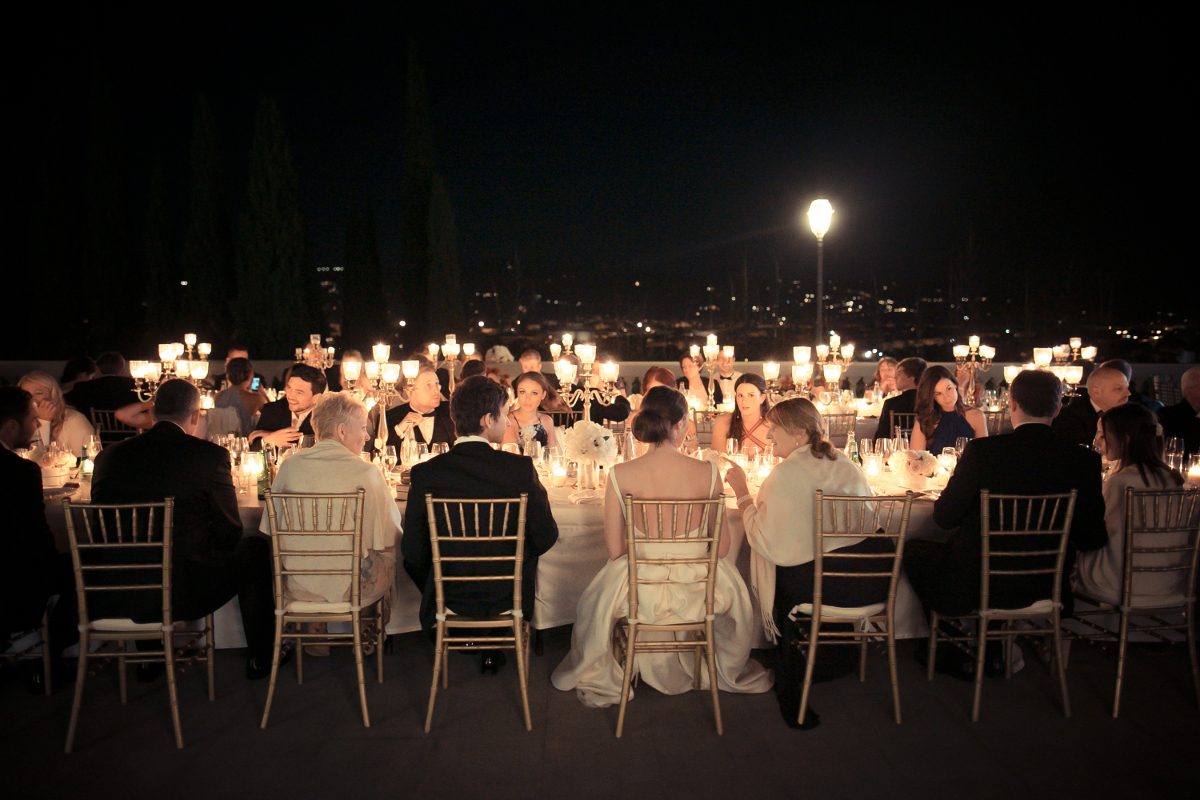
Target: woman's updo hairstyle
<point x="661" y="410"/>
<point x="798" y="416"/>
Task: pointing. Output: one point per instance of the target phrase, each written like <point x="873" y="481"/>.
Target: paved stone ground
<point x="316" y="745"/>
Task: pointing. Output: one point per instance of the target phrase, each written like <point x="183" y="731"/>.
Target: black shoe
<point x="789" y="708"/>
<point x="150" y="671"/>
<point x="492" y="661"/>
<point x="259" y="668"/>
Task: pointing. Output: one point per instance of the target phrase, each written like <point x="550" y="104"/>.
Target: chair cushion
<point x="860" y="612"/>
<point x="1040" y="607"/>
<point x="307" y="607"/>
<point x="116" y="624"/>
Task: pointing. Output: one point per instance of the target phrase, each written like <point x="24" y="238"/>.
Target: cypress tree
<point x="204" y="263"/>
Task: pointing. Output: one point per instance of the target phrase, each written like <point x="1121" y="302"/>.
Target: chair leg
<point x="44" y="633"/>
<point x="810" y="661"/>
<point x="862" y="659"/>
<point x="379" y="645"/>
<point x="980" y="655"/>
<point x="209" y="653"/>
<point x="80" y="677"/>
<point x="1189" y="624"/>
<point x="172" y="691"/>
<point x="438" y="672"/>
<point x="300" y="656"/>
<point x="274" y="668"/>
<point x="122" y="678"/>
<point x="710" y="649"/>
<point x="1008" y="650"/>
<point x="699" y="653"/>
<point x="1061" y="665"/>
<point x="1122" y="640"/>
<point x="358" y="666"/>
<point x="630" y="643"/>
<point x="891" y="648"/>
<point x="522" y="669"/>
<point x="933" y="629"/>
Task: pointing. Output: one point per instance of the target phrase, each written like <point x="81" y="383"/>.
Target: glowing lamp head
<point x="390" y="372"/>
<point x="961" y="351"/>
<point x="586" y="353"/>
<point x="352" y="369"/>
<point x="1042" y="356"/>
<point x="468" y="349"/>
<point x="801" y="355"/>
<point x="381" y="352"/>
<point x="820" y="214"/>
<point x="411" y="368"/>
<point x="372" y="368"/>
<point x="555" y="350"/>
<point x="771" y="371"/>
<point x="189" y="339"/>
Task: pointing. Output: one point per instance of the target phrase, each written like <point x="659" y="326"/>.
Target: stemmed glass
<point x="1173" y="452"/>
<point x="439" y="448"/>
<point x="884" y="450"/>
<point x="949" y="459"/>
<point x="389" y="457"/>
<point x="92" y="446"/>
<point x="960" y="444"/>
<point x="508" y="447"/>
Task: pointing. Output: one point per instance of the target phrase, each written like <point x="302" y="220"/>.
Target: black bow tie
<point x="430" y="414"/>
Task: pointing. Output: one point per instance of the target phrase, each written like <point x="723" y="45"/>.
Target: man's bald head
<point x="1190" y="385"/>
<point x="1108" y="388"/>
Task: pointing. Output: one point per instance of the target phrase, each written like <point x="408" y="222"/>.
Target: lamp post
<point x="820" y="213"/>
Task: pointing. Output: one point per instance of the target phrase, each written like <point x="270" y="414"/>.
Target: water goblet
<point x="389" y="457"/>
<point x="960" y="444"/>
<point x="865" y="448"/>
<point x="510" y="447"/>
<point x="422" y="452"/>
<point x="439" y="448"/>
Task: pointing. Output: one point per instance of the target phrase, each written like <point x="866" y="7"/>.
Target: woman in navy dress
<point x="941" y="416"/>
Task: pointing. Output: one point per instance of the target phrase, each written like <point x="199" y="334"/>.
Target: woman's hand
<point x="736" y="477"/>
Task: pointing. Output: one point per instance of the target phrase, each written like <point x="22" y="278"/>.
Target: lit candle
<point x="136" y="369"/>
<point x="1193" y="475"/>
<point x="771" y="371"/>
<point x="411" y="368"/>
<point x="381" y="352"/>
<point x="559" y="476"/>
<point x="206" y="400"/>
<point x="847" y="351"/>
<point x="450" y="350"/>
<point x="189" y="339"/>
<point x="330" y="351"/>
<point x="1059" y="351"/>
<point x="712" y="340"/>
<point x="166" y="352"/>
<point x="608" y="371"/>
<point x="178" y="346"/>
<point x="200" y="370"/>
<point x="568" y="339"/>
<point x="710" y="351"/>
<point x="87" y="466"/>
<point x="586" y="353"/>
<point x="372" y="369"/>
<point x="183" y="368"/>
<point x="390" y="372"/>
<point x="728" y="351"/>
<point x="961" y="351"/>
<point x="694" y="351"/>
<point x="822" y="352"/>
<point x="1042" y="356"/>
<point x="987" y="352"/>
<point x="468" y="349"/>
<point x="204" y="348"/>
<point x="1074" y="375"/>
<point x="833" y="372"/>
<point x="433" y="351"/>
<point x="973" y="341"/>
<point x="801" y="372"/>
<point x="801" y="354"/>
<point x="151" y="372"/>
<point x="1076" y="342"/>
<point x="1089" y="353"/>
<point x="352" y="369"/>
<point x="835" y="341"/>
<point x="451" y="338"/>
<point x="555" y="351"/>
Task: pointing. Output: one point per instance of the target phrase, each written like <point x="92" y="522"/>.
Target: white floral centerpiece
<point x="592" y="445"/>
<point x="915" y="467"/>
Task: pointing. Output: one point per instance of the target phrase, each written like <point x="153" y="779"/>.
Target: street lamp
<point x="820" y="213"/>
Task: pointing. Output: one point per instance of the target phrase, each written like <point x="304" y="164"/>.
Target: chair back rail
<point x="841" y="517"/>
<point x="663" y="525"/>
<point x="295" y="518"/>
<point x="1155" y="515"/>
<point x="1006" y="520"/>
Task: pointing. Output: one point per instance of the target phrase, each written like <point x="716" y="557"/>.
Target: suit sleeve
<point x="541" y="531"/>
<point x="960" y="499"/>
<point x="228" y="528"/>
<point x="414" y="541"/>
<point x="885" y="422"/>
<point x="1088" y="530"/>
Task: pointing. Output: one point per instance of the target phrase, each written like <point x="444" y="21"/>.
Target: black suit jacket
<point x="167" y="462"/>
<point x="1030" y="460"/>
<point x="905" y="403"/>
<point x="108" y="393"/>
<point x="443" y="426"/>
<point x="276" y="416"/>
<point x="1181" y="420"/>
<point x="616" y="411"/>
<point x="1077" y="422"/>
<point x="474" y="469"/>
<point x="30" y="558"/>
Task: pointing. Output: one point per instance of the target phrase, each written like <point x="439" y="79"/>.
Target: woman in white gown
<point x="666" y="474"/>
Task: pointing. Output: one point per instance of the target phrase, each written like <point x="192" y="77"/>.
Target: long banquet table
<point x="563" y="572"/>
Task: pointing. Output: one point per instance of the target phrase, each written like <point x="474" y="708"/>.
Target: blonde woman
<point x="56" y="421"/>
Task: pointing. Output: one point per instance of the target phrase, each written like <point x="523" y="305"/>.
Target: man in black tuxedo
<point x="211" y="560"/>
<point x="473" y="469"/>
<point x="424" y="414"/>
<point x="285" y="420"/>
<point x="908" y="375"/>
<point x="111" y="390"/>
<point x="1106" y="388"/>
<point x="33" y="569"/>
<point x="1031" y="460"/>
<point x="1183" y="419"/>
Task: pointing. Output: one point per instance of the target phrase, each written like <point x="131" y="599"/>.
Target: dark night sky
<point x="668" y="147"/>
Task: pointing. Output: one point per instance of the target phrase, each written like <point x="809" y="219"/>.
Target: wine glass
<point x="1173" y="452"/>
<point x="865" y="448"/>
<point x="960" y="444"/>
<point x="422" y="452"/>
<point x="533" y="449"/>
<point x="731" y="447"/>
<point x="440" y="448"/>
<point x="508" y="447"/>
<point x="389" y="457"/>
<point x="306" y="442"/>
<point x="949" y="459"/>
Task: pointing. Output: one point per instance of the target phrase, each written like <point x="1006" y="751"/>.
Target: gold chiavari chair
<point x="110" y="429"/>
<point x="126" y="549"/>
<point x="474" y="541"/>
<point x="994" y="420"/>
<point x="903" y="423"/>
<point x="17" y="648"/>
<point x="325" y="526"/>
<point x="1022" y="537"/>
<point x="657" y="526"/>
<point x="871" y="519"/>
<point x="839" y="427"/>
<point x="1162" y="536"/>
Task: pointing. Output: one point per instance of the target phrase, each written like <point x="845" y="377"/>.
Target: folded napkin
<point x="587" y="497"/>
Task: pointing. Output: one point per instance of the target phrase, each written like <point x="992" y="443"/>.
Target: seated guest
<point x="726" y="375"/>
<point x="424" y="414"/>
<point x="658" y="376"/>
<point x="1031" y="460"/>
<point x="884" y="377"/>
<point x="779" y="530"/>
<point x="235" y="351"/>
<point x="695" y="386"/>
<point x="616" y="411"/>
<point x="941" y="416"/>
<point x="529" y="424"/>
<point x="1131" y="439"/>
<point x="57" y="422"/>
<point x="908" y="375"/>
<point x="664" y="472"/>
<point x="1106" y="388"/>
<point x="333" y="465"/>
<point x="78" y="370"/>
<point x="1182" y="420"/>
<point x="284" y="421"/>
<point x="212" y="562"/>
<point x="239" y="374"/>
<point x="1126" y="369"/>
<point x="471" y="368"/>
<point x="531" y="361"/>
<point x="747" y="425"/>
<point x="34" y="571"/>
<point x="109" y="390"/>
<point x="472" y="469"/>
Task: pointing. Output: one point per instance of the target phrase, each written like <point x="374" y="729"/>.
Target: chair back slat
<point x="1162" y="534"/>
<point x="110" y="429"/>
<point x="493" y="552"/>
<point x="840" y="518"/>
<point x="655" y="533"/>
<point x="1023" y="536"/>
<point x="133" y="558"/>
<point x="903" y="423"/>
<point x="297" y="536"/>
